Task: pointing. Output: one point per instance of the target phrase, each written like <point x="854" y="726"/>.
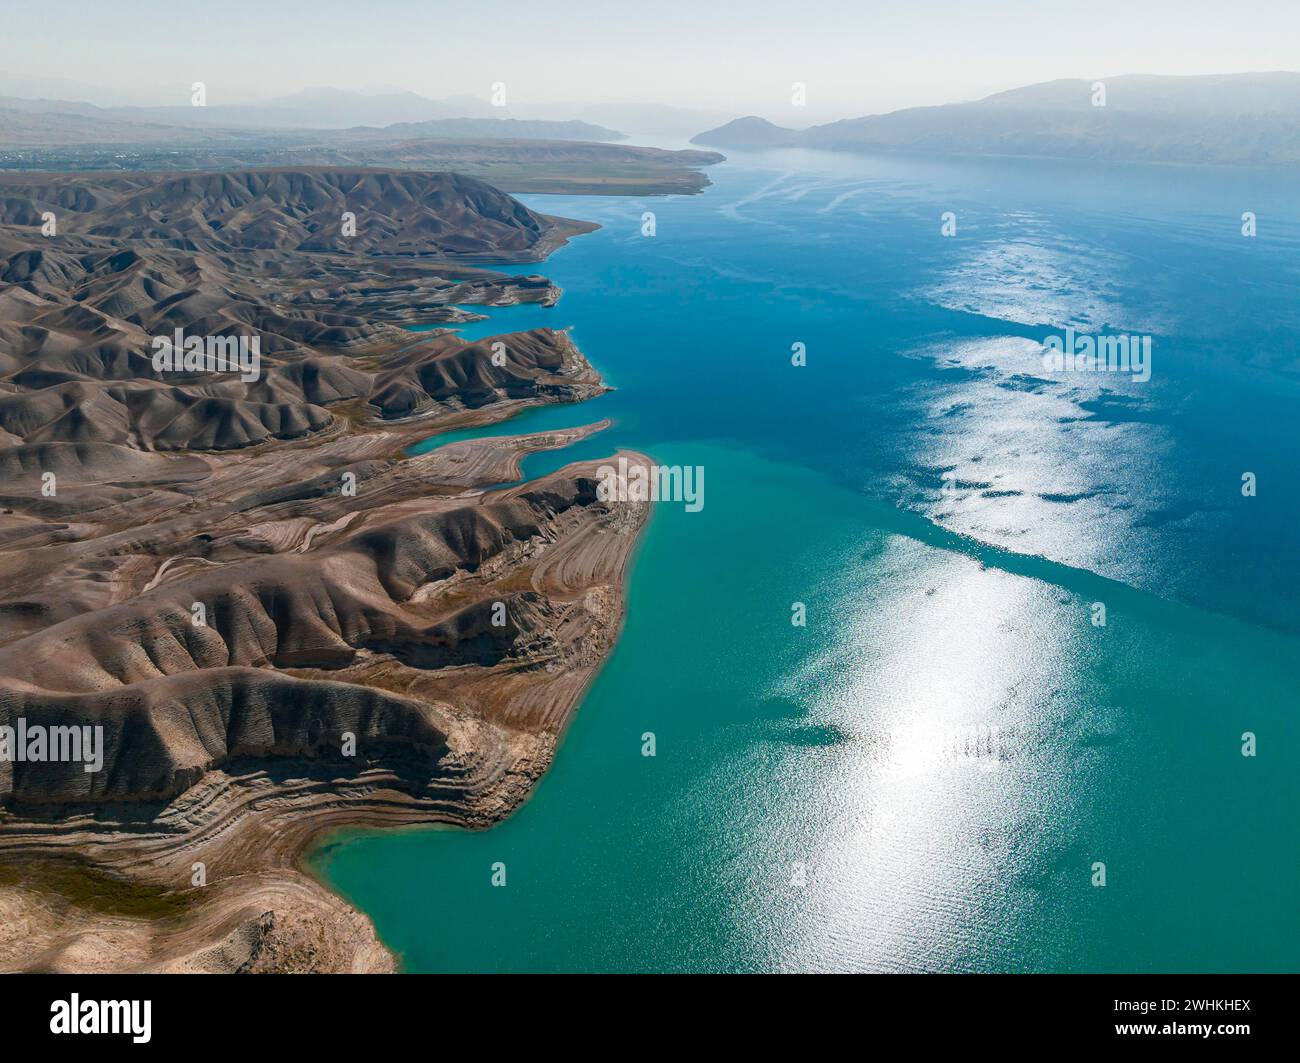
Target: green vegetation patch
<point x="88" y="887"/>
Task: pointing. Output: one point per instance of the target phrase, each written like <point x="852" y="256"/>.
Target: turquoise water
<point x="923" y="777"/>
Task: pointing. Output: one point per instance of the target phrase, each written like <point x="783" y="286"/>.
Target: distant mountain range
<point x="486" y="128"/>
<point x="312" y="108"/>
<point x="1229" y="119"/>
<point x="325" y="108"/>
<point x="656" y="118"/>
<point x="28" y="122"/>
<point x="121" y="113"/>
<point x="332" y="127"/>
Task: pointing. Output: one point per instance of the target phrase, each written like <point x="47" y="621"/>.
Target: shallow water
<point x="924" y="776"/>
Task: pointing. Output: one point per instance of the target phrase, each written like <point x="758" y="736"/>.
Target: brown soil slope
<point x="280" y="622"/>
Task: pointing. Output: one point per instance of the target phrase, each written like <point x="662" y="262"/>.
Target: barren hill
<point x="279" y="620"/>
<point x="1215" y="119"/>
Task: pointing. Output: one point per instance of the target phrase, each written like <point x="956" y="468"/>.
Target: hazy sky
<point x="855" y="57"/>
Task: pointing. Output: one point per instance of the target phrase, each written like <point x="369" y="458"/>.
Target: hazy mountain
<point x="647" y="117"/>
<point x="326" y="108"/>
<point x="495" y="127"/>
<point x="316" y="108"/>
<point x="1230" y="119"/>
<point x="58" y="88"/>
<point x="53" y="123"/>
<point x="1221" y="95"/>
<point x="44" y="105"/>
<point x="322" y="107"/>
<point x="750" y="132"/>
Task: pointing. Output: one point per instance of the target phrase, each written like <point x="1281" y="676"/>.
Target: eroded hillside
<point x="274" y="619"/>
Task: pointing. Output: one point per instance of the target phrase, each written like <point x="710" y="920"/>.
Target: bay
<point x="927" y="774"/>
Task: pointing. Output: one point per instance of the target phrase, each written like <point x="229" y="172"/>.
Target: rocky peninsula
<point x="273" y="618"/>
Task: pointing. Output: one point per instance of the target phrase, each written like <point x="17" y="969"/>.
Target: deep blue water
<point x="950" y="744"/>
